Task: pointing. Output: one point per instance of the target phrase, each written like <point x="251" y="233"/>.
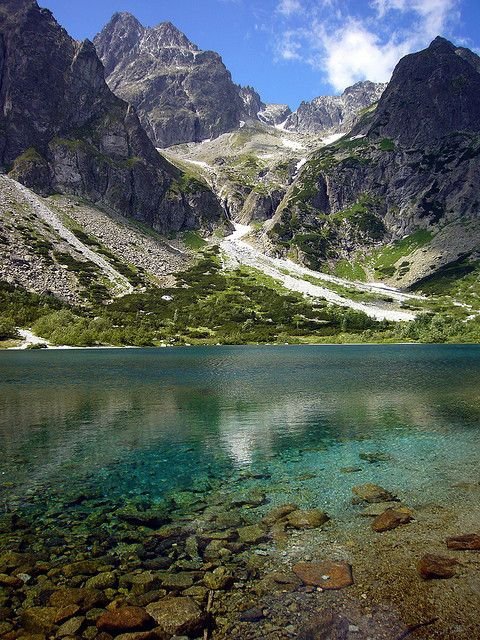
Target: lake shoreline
<point x="194" y="346"/>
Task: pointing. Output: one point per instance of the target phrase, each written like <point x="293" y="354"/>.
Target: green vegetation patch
<point x="209" y="305"/>
<point x="384" y="259"/>
<point x="459" y="279"/>
<point x="350" y="270"/>
<point x="87" y="274"/>
<point x="20" y="308"/>
<point x="187" y="184"/>
<point x="193" y="240"/>
<point x="387" y="145"/>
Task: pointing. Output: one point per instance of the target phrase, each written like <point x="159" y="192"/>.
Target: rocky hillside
<point x="334" y="114"/>
<point x="62" y="130"/>
<point x="181" y="94"/>
<point x="250" y="169"/>
<point x="82" y="255"/>
<point x="407" y="176"/>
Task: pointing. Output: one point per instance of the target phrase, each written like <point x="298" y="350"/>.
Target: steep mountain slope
<point x="82" y="255"/>
<point x="334" y="114"/>
<point x="63" y="130"/>
<point x="410" y="167"/>
<point x="181" y="94"/>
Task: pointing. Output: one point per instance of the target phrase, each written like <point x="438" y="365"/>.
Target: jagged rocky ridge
<point x="412" y="163"/>
<point x="63" y="130"/>
<point x="181" y="94"/>
<point x="334" y="114"/>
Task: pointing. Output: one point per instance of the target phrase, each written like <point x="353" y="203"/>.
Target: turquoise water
<point x="127" y="423"/>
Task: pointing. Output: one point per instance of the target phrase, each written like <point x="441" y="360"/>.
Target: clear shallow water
<point x="129" y="423"/>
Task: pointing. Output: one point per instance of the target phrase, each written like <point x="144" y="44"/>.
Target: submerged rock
<point x="38" y="619"/>
<point x="140" y="635"/>
<point x="125" y="619"/>
<point x="433" y="566"/>
<point x="151" y="518"/>
<point x="326" y="626"/>
<point x="467" y="542"/>
<point x="66" y="613"/>
<point x="252" y="615"/>
<point x="327" y="574"/>
<point x="254" y="498"/>
<point x="71" y="627"/>
<point x="81" y="568"/>
<point x="102" y="581"/>
<point x="307" y="519"/>
<point x="392" y="518"/>
<point x="178" y="616"/>
<point x="252" y="534"/>
<point x="219" y="579"/>
<point x="369" y="492"/>
<point x="377" y="508"/>
<point x="177" y="581"/>
<point x="279" y="514"/>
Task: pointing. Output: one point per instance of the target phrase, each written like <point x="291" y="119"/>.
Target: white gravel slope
<point x="292" y="277"/>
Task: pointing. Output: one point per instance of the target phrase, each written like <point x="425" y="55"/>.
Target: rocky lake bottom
<point x="240" y="492"/>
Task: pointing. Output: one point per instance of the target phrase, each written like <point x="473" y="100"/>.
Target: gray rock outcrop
<point x="181" y="94"/>
<point x="335" y="114"/>
<point x="63" y="130"/>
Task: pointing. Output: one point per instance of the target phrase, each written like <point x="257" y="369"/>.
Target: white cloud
<point x="354" y="53"/>
<point x="289" y="7"/>
<point x="289" y="46"/>
<point x="349" y="48"/>
<point x="433" y="13"/>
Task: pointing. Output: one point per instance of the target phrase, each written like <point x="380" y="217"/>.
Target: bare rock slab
<point x="327" y="574"/>
<point x="178" y="616"/>
<point x="433" y="566"/>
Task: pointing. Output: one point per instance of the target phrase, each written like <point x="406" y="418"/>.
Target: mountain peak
<point x="441" y="43"/>
<point x="432" y="93"/>
<point x="169" y="35"/>
<point x="124" y="18"/>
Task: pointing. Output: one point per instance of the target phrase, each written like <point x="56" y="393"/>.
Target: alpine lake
<point x="308" y="492"/>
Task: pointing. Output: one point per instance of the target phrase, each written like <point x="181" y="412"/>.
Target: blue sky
<point x="293" y="50"/>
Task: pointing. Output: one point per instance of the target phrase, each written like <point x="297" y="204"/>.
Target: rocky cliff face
<point x="181" y="94"/>
<point x="274" y="114"/>
<point x="432" y="94"/>
<point x="335" y="114"/>
<point x="412" y="164"/>
<point x="63" y="130"/>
